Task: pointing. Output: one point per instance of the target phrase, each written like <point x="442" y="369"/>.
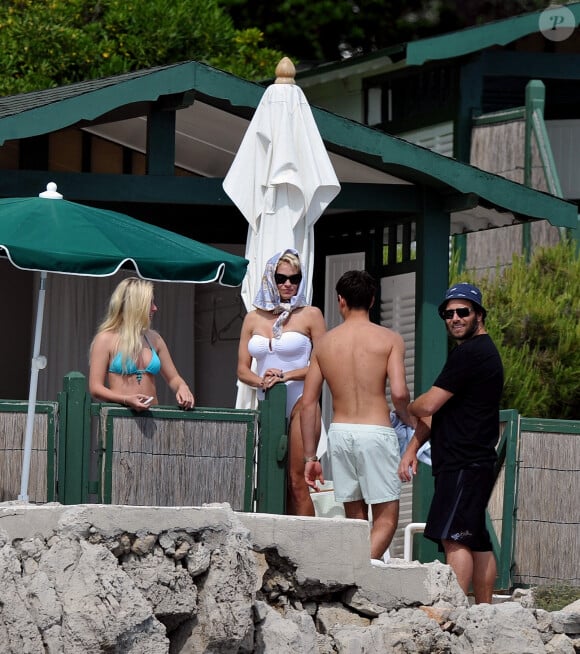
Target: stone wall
<point x="151" y="580"/>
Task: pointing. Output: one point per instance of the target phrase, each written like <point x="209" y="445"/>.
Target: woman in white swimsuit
<point x="279" y="335"/>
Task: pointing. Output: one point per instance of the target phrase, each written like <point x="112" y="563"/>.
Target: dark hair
<point x="358" y="289"/>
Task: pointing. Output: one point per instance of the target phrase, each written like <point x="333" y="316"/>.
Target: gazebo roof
<point x="213" y="110"/>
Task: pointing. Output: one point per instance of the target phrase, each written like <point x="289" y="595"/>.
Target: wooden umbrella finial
<point x="285" y="71"/>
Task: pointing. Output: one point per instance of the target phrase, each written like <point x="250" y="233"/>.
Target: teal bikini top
<point x="130" y="368"/>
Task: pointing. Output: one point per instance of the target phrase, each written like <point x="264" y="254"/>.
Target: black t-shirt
<point x="465" y="430"/>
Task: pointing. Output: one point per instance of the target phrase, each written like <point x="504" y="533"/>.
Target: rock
<point x="409" y="630"/>
<point x="149" y="580"/>
<point x="333" y="614"/>
<point x="285" y="634"/>
<point x="506" y="628"/>
<point x="566" y="622"/>
<point x="573" y="608"/>
<point x="166" y="586"/>
<point x="525" y="596"/>
<point x="224" y="617"/>
<point x="560" y="644"/>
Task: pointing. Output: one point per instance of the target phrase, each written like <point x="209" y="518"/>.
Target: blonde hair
<point x="291" y="259"/>
<point x="129" y="315"/>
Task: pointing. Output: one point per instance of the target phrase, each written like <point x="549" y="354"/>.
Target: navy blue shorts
<point x="458" y="507"/>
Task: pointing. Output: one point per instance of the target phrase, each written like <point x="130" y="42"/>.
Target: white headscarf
<point x="268" y="297"/>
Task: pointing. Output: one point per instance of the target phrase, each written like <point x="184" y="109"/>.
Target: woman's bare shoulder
<point x="106" y="337"/>
<point x="259" y="317"/>
<point x="104" y="345"/>
<point x="251" y="321"/>
<point x="154" y="337"/>
<point x="310" y="313"/>
<point x="313" y="310"/>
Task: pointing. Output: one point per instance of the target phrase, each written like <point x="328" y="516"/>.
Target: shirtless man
<point x="356" y="359"/>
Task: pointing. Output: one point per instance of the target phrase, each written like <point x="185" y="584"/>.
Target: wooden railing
<point x="90" y="452"/>
<point x="42" y="486"/>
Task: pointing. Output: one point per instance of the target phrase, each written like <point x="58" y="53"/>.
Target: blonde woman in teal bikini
<point x="126" y="354"/>
<point x="279" y="335"/>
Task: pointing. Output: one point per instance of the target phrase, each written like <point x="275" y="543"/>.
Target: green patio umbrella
<point x="49" y="234"/>
<point x="41" y="233"/>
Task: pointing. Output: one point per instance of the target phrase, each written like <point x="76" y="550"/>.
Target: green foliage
<point x="399" y="257"/>
<point x="554" y="597"/>
<point x="327" y="30"/>
<point x="322" y="29"/>
<point x="48" y="43"/>
<point x="534" y="319"/>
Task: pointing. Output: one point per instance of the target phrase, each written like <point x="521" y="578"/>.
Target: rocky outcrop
<point x="102" y="579"/>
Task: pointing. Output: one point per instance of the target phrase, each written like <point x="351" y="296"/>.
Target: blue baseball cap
<point x="463" y="291"/>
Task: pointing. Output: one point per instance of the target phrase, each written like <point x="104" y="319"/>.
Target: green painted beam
<point x="496" y="117"/>
<point x="161" y="142"/>
<point x="88" y="187"/>
<point x="431" y="282"/>
<point x="432" y="278"/>
<point x="468" y="106"/>
<point x="473" y="39"/>
<point x="201" y="191"/>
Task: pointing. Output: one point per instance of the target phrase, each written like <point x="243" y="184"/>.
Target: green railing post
<point x="506" y="552"/>
<point x="535" y="99"/>
<point x="74" y="440"/>
<point x="272" y="452"/>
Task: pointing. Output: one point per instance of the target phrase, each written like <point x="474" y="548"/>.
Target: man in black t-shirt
<point x="460" y="415"/>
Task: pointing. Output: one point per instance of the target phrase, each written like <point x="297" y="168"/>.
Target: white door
<point x="398" y="313"/>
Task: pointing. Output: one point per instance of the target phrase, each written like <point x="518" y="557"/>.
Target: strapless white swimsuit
<point x="289" y="352"/>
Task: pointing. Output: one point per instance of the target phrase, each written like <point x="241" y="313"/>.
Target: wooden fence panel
<point x="495" y="505"/>
<point x="177" y="458"/>
<point x="42" y="456"/>
<point x="547" y="541"/>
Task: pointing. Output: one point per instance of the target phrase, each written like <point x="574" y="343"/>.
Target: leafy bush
<point x="49" y="43"/>
<point x="534" y="319"/>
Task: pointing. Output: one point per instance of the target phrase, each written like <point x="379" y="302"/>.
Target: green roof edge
<point x="366" y="144"/>
<point x="492" y="188"/>
<point x="473" y="39"/>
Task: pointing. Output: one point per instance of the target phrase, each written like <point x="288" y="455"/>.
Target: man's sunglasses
<point x="294" y="279"/>
<point x="462" y="312"/>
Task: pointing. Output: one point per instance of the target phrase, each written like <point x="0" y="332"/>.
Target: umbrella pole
<point x="37" y="364"/>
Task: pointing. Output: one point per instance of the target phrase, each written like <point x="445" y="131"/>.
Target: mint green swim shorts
<point x="364" y="460"/>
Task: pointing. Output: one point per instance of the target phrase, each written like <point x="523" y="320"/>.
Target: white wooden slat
<point x="565" y="141"/>
<point x="438" y="138"/>
<point x="398" y="313"/>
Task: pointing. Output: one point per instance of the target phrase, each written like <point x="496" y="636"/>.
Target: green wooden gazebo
<point x="157" y="143"/>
